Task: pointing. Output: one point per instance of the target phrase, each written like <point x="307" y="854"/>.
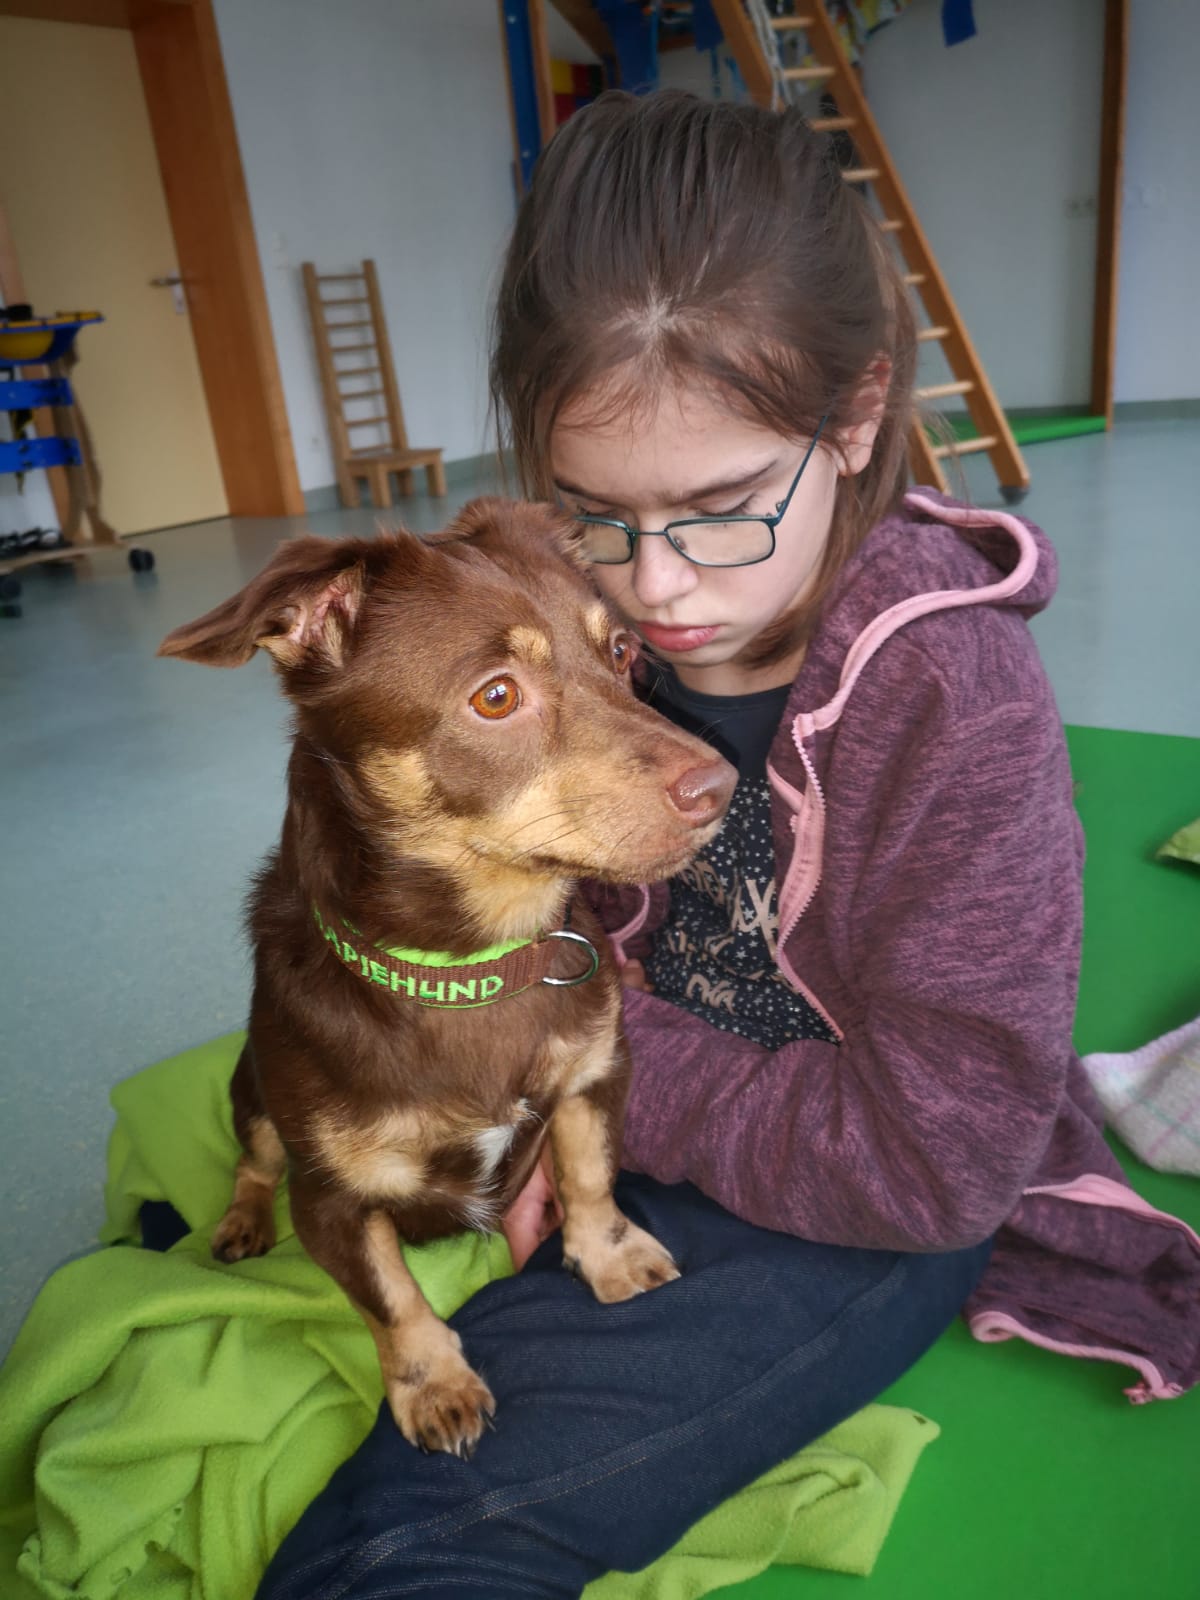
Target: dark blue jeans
<point x="618" y="1427"/>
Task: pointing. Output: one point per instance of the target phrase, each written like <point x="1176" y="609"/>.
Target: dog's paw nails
<point x="655" y="1272"/>
<point x="445" y="1411"/>
<point x="629" y="1267"/>
<point x="243" y="1232"/>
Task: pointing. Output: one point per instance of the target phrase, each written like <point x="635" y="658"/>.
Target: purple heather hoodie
<point x="928" y="858"/>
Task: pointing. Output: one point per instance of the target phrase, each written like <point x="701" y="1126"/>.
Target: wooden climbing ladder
<point x="753" y="37"/>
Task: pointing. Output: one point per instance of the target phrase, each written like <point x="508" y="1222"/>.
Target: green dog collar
<point x="456" y="983"/>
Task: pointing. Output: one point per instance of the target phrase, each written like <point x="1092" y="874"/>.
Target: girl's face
<point x="690" y="457"/>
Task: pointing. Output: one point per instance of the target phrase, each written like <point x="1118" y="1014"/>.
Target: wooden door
<point x="80" y="180"/>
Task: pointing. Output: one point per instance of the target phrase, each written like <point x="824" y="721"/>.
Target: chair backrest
<point x="354" y="357"/>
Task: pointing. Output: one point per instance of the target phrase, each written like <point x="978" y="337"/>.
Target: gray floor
<point x="138" y="794"/>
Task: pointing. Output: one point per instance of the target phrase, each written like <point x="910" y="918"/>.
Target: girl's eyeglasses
<point x="733" y="541"/>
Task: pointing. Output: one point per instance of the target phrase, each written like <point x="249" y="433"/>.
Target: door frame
<point x="191" y="119"/>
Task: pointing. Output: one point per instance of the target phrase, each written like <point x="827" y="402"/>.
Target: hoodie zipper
<point x="813" y="796"/>
<point x="814" y="790"/>
<point x="808" y="807"/>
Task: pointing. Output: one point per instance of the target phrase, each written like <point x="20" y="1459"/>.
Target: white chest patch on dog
<point x="493" y="1144"/>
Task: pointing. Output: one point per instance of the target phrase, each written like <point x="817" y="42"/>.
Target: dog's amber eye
<point x="499" y="698"/>
<point x="622" y="652"/>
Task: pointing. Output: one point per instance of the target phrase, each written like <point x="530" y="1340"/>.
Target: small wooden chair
<point x="341" y="329"/>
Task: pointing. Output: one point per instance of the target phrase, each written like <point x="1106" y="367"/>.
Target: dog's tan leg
<point x="613" y="1256"/>
<point x="248" y="1227"/>
<point x="438" y="1402"/>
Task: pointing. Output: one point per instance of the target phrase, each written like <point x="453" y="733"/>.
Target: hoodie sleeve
<point x="952" y="906"/>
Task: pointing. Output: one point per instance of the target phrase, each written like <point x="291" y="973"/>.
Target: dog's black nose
<point x="703" y="793"/>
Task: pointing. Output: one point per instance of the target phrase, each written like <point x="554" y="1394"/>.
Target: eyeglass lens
<point x="712" y="544"/>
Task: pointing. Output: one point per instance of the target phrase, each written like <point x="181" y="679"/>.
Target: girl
<point x="854" y="1086"/>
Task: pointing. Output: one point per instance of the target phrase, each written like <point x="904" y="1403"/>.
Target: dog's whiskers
<point x="548" y="816"/>
<point x="544" y="844"/>
<point x="615" y="847"/>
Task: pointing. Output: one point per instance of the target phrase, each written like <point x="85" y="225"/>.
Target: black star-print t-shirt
<point x="715" y="954"/>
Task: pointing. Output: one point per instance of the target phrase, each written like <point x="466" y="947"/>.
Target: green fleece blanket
<point x="1184" y="845"/>
<point x="164" y="1419"/>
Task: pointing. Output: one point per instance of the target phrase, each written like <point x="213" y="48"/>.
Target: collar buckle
<point x="593" y="953"/>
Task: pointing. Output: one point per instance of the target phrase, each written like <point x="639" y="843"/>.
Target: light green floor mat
<point x="1035" y="427"/>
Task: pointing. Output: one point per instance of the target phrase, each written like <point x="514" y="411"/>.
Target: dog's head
<point x="477" y="690"/>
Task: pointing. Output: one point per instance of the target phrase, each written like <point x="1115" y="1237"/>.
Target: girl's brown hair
<point x="668" y="237"/>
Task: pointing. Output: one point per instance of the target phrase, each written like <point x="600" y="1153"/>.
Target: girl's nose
<point x="660" y="574"/>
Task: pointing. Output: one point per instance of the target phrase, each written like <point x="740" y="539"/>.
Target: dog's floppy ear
<point x="303" y="602"/>
<point x="539" y="522"/>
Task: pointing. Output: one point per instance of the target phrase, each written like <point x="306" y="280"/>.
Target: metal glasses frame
<point x="632" y="535"/>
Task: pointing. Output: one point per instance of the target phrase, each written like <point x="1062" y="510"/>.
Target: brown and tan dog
<point x="467" y="747"/>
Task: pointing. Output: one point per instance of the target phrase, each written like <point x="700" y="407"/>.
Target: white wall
<point x="994" y="139"/>
<point x="381" y="127"/>
<point x="377" y="128"/>
<point x="692" y="69"/>
<point x="998" y="142"/>
<point x="1158" y="326"/>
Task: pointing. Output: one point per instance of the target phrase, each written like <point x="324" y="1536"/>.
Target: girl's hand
<point x="633" y="976"/>
<point x="536" y="1212"/>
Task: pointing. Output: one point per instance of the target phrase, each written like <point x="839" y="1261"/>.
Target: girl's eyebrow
<point x="744" y="480"/>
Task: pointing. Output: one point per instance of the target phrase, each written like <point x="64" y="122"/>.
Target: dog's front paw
<point x="618" y="1261"/>
<point x="445" y="1406"/>
<point x="244" y="1230"/>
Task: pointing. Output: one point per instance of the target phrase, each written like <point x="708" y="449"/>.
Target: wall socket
<point x="1146" y="196"/>
<point x="1135" y="197"/>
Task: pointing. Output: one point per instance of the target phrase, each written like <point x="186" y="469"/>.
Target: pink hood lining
<point x="1092" y="1188"/>
<point x="922" y="605"/>
<point x="808" y="809"/>
<point x="635" y="924"/>
<point x="993" y="1327"/>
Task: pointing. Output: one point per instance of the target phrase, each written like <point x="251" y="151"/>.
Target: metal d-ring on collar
<point x="576" y="938"/>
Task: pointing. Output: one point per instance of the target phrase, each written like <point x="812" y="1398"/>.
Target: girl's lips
<point x="675" y="639"/>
